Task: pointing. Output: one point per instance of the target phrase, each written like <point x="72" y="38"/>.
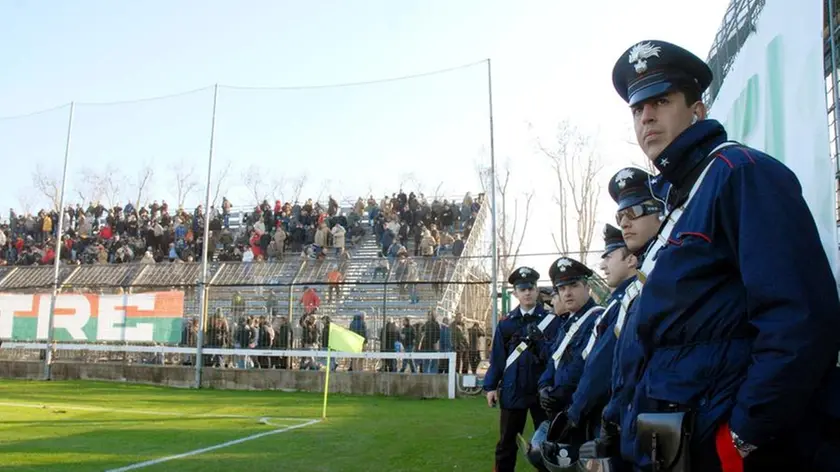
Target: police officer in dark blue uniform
<point x="640" y="199"/>
<point x="593" y="392"/>
<point x="565" y="364"/>
<point x="516" y="364"/>
<point x="739" y="315"/>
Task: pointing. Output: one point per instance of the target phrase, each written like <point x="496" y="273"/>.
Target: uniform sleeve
<point x="547" y="377"/>
<point x="497" y="361"/>
<point x="594" y="386"/>
<point x="572" y="369"/>
<point x="547" y="346"/>
<point x="791" y="297"/>
<point x="628" y="358"/>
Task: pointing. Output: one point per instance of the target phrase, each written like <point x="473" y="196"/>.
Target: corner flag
<point x="342" y="340"/>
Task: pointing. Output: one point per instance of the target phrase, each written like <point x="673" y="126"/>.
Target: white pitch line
<point x="142" y="412"/>
<point x="140" y="465"/>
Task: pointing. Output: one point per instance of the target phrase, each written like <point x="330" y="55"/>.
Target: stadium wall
<point x="350" y="383"/>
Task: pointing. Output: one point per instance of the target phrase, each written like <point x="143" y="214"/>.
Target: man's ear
<point x="700" y="110"/>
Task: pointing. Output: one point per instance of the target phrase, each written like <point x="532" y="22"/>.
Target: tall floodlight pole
<point x="494" y="294"/>
<point x="48" y="357"/>
<point x="203" y="292"/>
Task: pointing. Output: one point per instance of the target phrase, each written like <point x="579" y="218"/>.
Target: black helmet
<point x="558" y="430"/>
<point x="532" y="450"/>
<point x="560" y="457"/>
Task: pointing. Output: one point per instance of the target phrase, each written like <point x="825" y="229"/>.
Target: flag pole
<point x="326" y="385"/>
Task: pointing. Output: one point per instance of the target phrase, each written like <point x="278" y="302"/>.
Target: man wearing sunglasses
<point x="619" y="266"/>
<point x="516" y="364"/>
<point x="639" y="213"/>
<point x="739" y="317"/>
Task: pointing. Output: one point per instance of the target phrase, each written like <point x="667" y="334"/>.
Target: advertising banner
<point x="146" y="317"/>
<point x="773" y="99"/>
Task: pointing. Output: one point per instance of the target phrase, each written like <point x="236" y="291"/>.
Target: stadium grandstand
<point x="399" y="268"/>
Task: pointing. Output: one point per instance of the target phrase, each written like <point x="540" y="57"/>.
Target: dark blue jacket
<point x="519" y="382"/>
<point x="564" y="379"/>
<point x="739" y="318"/>
<point x="593" y="390"/>
<point x="628" y="361"/>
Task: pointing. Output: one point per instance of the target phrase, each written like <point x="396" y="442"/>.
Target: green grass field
<point x="98" y="426"/>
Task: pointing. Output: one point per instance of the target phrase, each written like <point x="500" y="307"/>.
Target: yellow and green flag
<point x="341" y="340"/>
<point x="344" y="340"/>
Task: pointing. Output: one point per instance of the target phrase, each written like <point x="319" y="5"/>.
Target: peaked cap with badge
<point x="653" y="68"/>
<point x="524" y="277"/>
<point x="613" y="240"/>
<point x="566" y="271"/>
<point x="632" y="186"/>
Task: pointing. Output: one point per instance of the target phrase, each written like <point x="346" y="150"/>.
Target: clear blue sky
<point x="551" y="61"/>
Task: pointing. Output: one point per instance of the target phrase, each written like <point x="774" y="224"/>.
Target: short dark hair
<point x="690" y="90"/>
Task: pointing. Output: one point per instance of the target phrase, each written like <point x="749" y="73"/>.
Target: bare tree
<point x="142" y="182"/>
<point x="91" y="186"/>
<point x="219" y="183"/>
<point x="437" y="195"/>
<point x="410" y="181"/>
<point x="325" y="187"/>
<point x="297" y="186"/>
<point x="113" y="183"/>
<point x="27" y="202"/>
<point x="185" y="181"/>
<point x="104" y="186"/>
<point x="576" y="165"/>
<point x="513" y="220"/>
<point x="48" y="184"/>
<point x="278" y="188"/>
<point x="254" y="179"/>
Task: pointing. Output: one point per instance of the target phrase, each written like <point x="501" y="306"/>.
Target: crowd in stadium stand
<point x="399" y="221"/>
<point x="157" y="233"/>
<point x="406" y="227"/>
<point x="266" y="332"/>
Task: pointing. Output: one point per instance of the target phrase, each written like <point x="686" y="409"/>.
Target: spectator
<point x="310" y="300"/>
<point x="408" y="336"/>
<point x="334" y="278"/>
<point x="358" y="326"/>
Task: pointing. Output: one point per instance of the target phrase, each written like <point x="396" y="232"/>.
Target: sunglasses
<point x="637" y="211"/>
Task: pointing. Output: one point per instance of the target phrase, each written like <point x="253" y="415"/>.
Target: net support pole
<point x="203" y="290"/>
<point x="493" y="249"/>
<point x="48" y="354"/>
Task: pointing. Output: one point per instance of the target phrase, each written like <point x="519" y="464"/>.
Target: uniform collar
<point x="640" y="254"/>
<point x="621" y="287"/>
<point x="538" y="310"/>
<point x="586" y="307"/>
<point x="680" y="162"/>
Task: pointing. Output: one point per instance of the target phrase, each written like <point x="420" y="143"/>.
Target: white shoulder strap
<point x="674" y="216"/>
<point x="633" y="291"/>
<point x="561" y="349"/>
<point x="594" y="335"/>
<point x="522" y="346"/>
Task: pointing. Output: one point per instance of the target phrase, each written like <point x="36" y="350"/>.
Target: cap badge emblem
<point x="622" y="176"/>
<point x="640" y="53"/>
